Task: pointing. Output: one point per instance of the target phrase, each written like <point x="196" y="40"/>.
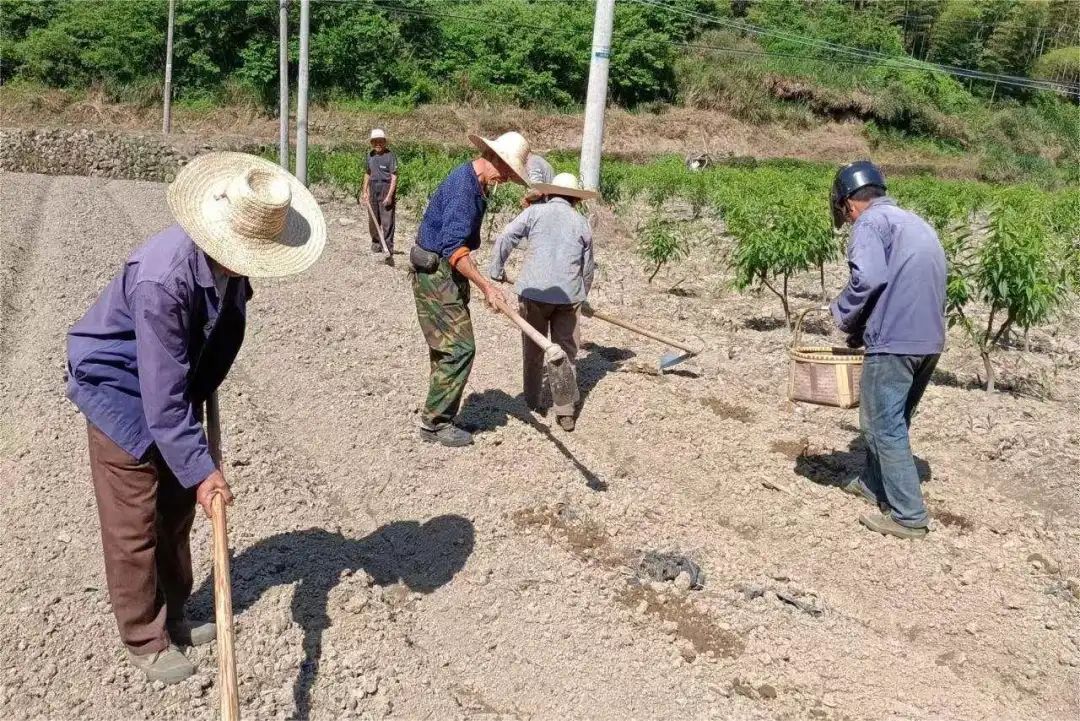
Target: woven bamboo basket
<point x="823" y="375"/>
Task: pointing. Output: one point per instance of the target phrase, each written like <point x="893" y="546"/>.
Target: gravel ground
<point x="378" y="577"/>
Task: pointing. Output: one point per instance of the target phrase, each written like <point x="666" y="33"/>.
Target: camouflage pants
<point x="442" y="307"/>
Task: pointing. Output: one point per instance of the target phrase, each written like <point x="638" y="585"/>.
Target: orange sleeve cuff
<point x="457" y="255"/>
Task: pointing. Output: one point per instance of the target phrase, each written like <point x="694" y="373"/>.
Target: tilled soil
<point x="375" y="576"/>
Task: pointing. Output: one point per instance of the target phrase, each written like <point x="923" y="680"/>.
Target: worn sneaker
<point x="566" y="423"/>
<point x="191" y="633"/>
<point x="448" y="435"/>
<point x="885" y="525"/>
<point x="854" y="488"/>
<point x="168" y="666"/>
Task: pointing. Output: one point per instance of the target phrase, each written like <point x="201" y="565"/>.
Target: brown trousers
<point x="558" y="321"/>
<point x="146" y="518"/>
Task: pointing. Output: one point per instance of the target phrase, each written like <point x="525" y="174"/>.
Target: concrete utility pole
<point x="593" y="135"/>
<point x="283" y="84"/>
<point x="302" y="92"/>
<point x="166" y="120"/>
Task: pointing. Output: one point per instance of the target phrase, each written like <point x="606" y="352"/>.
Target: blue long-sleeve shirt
<point x="454" y="214"/>
<point x="895" y="299"/>
<point x="153" y="347"/>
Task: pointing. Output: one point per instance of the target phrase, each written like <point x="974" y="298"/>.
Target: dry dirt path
<point x="378" y="577"/>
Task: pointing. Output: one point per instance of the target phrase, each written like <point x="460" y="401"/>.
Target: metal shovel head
<point x="672" y="359"/>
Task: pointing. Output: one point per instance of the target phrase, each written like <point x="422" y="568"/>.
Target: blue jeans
<point x="890" y="390"/>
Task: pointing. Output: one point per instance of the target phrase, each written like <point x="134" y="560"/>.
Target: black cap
<point x="849" y="179"/>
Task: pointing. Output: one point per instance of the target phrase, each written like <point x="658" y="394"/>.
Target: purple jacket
<point x="153" y="347"/>
<point x="895" y="299"/>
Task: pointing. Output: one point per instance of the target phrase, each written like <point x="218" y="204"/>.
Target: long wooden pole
<point x="591" y="312"/>
<point x="302" y="93"/>
<point x="223" y="615"/>
<point x="378" y="227"/>
<point x="283" y="84"/>
<point x="166" y="118"/>
<point x="592" y="134"/>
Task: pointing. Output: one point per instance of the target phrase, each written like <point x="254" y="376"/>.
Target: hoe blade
<point x="670" y="360"/>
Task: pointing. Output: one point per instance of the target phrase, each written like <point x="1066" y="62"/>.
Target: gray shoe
<point x="885" y="525"/>
<point x="854" y="488"/>
<point x="168" y="666"/>
<point x="191" y="633"/>
<point x="566" y="423"/>
<point x="448" y="435"/>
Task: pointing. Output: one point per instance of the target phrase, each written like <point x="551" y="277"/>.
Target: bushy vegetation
<point x="536" y="52"/>
<point x="659" y="241"/>
<point x="1017" y="132"/>
<point x="406" y="51"/>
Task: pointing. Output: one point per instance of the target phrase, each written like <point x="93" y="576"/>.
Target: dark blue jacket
<point x="454" y="213"/>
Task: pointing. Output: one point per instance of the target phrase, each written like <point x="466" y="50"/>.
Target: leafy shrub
<point x="1023" y="272"/>
<point x="778" y="237"/>
<point x="659" y="242"/>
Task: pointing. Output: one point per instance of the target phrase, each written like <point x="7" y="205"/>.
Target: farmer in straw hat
<point x="380" y="191"/>
<point x="538" y="170"/>
<point x="555" y="278"/>
<point x="152" y="348"/>
<point x="443" y="267"/>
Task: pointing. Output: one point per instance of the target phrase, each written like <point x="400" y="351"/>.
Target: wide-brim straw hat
<point x="512" y="148"/>
<point x="248" y="214"/>
<point x="565" y="184"/>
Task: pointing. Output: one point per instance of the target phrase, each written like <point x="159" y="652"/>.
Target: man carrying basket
<point x="894" y="305"/>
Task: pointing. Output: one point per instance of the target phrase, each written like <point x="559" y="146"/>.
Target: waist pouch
<point x="424" y="261"/>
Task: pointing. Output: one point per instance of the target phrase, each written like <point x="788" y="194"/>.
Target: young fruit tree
<point x="659" y="243"/>
<point x="778" y="238"/>
<point x="1022" y="272"/>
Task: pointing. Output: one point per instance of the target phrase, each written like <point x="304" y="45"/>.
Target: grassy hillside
<point x="764" y="61"/>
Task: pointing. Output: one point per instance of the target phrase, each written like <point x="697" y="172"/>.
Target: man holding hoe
<point x="894" y="304"/>
<point x="555" y="278"/>
<point x="146" y="356"/>
<point x="442" y="269"/>
<point x="379" y="194"/>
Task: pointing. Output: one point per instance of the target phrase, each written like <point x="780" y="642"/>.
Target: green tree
<point x="659" y="242"/>
<point x="1023" y="272"/>
<point x="1015" y="43"/>
<point x="956" y="37"/>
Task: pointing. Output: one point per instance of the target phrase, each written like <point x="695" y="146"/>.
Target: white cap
<point x="378" y="134"/>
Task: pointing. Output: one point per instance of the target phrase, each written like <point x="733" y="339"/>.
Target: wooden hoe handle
<point x="378" y="226"/>
<point x="593" y="313"/>
<point x="223" y="615"/>
<point x="535" y="335"/>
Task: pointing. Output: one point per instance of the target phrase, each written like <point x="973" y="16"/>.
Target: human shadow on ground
<point x="423" y="556"/>
<point x="493" y="408"/>
<point x="836" y="468"/>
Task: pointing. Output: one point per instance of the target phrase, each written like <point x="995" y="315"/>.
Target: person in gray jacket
<point x="555" y="278"/>
<point x="894" y="305"/>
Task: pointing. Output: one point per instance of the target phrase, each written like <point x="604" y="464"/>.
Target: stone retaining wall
<point x="100" y="153"/>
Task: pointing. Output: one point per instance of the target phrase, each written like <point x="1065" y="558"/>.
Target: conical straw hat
<point x="512" y="148"/>
<point x="248" y="214"/>
<point x="565" y="184"/>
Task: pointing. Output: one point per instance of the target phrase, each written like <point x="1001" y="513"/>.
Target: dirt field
<point x="379" y="577"/>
